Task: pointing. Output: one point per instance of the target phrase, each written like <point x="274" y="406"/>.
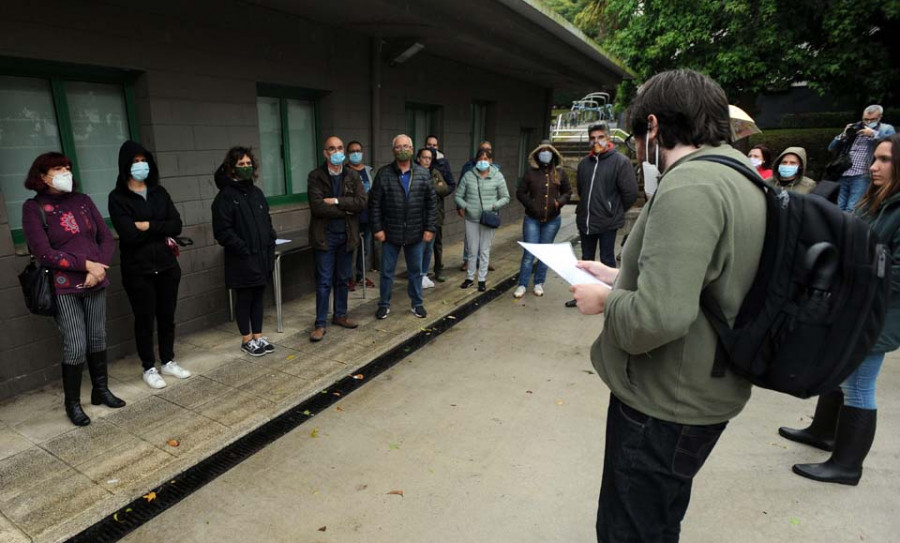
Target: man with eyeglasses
<point x="607" y="188"/>
<point x="336" y="198"/>
<point x="859" y="138"/>
<point x="403" y="215"/>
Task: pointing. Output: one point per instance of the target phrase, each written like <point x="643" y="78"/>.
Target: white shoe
<point x="538" y="289"/>
<point x="153" y="380"/>
<point x="172" y="368"/>
<point x="426" y="282"/>
<point x="520" y="291"/>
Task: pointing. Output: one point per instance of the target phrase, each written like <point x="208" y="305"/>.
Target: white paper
<point x="561" y="258"/>
<point x="280" y="241"/>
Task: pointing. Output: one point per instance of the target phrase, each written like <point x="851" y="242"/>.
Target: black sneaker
<point x="467" y="283"/>
<point x="572" y="303"/>
<point x="382" y="312"/>
<point x="253" y="348"/>
<point x="264" y="343"/>
<point x="482" y="286"/>
<point x="419" y="311"/>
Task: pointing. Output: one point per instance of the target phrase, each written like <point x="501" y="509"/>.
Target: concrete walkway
<point x="56" y="480"/>
<point x="494" y="433"/>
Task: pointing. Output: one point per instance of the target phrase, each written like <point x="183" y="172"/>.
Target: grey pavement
<point x="56" y="479"/>
<point x="494" y="432"/>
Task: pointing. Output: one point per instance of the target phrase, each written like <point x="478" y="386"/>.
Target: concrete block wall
<point x="196" y="97"/>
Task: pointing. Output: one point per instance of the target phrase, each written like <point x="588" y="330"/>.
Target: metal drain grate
<point x="132" y="516"/>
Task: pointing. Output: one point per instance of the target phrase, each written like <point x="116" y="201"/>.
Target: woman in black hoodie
<point x="241" y="224"/>
<point x="146" y="220"/>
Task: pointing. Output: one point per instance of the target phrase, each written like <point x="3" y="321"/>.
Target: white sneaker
<point x="426" y="282"/>
<point x="172" y="368"/>
<point x="520" y="291"/>
<point x="153" y="380"/>
<point x="538" y="289"/>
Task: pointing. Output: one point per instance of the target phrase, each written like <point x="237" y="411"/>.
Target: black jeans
<point x="438" y="248"/>
<point x="648" y="469"/>
<point x="154" y="296"/>
<point x="607" y="242"/>
<point x="248" y="309"/>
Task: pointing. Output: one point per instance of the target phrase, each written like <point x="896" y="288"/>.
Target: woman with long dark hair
<point x="241" y="224"/>
<point x="146" y="220"/>
<point x="846" y="425"/>
<point x="67" y="234"/>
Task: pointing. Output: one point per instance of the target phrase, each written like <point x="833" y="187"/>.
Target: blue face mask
<point x="872" y="125"/>
<point x="545" y="157"/>
<point x="140" y="171"/>
<point x="482" y="165"/>
<point x="786" y="171"/>
<point x="355" y="158"/>
<point x="337" y="158"/>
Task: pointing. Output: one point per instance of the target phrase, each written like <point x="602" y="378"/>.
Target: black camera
<point x="854" y="128"/>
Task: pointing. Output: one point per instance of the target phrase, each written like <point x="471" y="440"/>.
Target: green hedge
<point x="829" y="119"/>
<point x="814" y="140"/>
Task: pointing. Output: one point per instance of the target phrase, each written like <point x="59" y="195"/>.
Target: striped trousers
<point x="81" y="319"/>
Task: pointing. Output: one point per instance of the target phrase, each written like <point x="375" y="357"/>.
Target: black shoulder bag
<point x="37" y="283"/>
<point x="491" y="219"/>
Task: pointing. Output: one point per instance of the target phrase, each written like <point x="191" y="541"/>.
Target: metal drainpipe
<point x="377" y="45"/>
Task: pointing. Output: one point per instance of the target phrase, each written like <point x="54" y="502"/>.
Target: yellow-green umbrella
<point x="742" y="125"/>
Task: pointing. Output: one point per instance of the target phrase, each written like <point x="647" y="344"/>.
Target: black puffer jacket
<point x="404" y="220"/>
<point x="143" y="252"/>
<point x="241" y="224"/>
<point x="607" y="188"/>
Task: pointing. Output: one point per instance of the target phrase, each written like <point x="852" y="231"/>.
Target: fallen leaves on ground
<point x="560" y="402"/>
<point x="451" y="317"/>
<point x="338" y="408"/>
<point x="150" y="497"/>
<point x="529" y="392"/>
<point x="173" y="443"/>
<point x="361" y="487"/>
<point x="779" y="445"/>
<point x="315" y="432"/>
<point x="394" y="446"/>
<point x="795" y="521"/>
<point x="323" y="528"/>
<point x="358" y="376"/>
<point x="307" y="413"/>
<point x="396" y="493"/>
<point x="291" y="357"/>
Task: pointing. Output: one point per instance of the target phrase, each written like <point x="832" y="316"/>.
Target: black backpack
<point x="817" y="303"/>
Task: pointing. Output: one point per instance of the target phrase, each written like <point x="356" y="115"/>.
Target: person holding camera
<point x="859" y="138"/>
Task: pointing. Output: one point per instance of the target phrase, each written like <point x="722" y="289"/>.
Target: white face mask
<point x="62" y="182"/>
<point x="651" y="171"/>
<point x="757" y="162"/>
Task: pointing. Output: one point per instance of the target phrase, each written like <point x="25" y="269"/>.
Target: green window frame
<point x="422" y="120"/>
<point x="59" y="75"/>
<point x="284" y="95"/>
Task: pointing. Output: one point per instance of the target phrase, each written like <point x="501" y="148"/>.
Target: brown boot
<point x="345" y="322"/>
<point x="317" y="334"/>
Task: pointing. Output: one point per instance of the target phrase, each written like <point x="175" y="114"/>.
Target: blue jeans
<point x="413" y="255"/>
<point x="859" y="388"/>
<point x="535" y="231"/>
<point x="363" y="266"/>
<point x="427" y="251"/>
<point x="852" y="189"/>
<point x="648" y="470"/>
<point x="332" y="270"/>
<point x="607" y="242"/>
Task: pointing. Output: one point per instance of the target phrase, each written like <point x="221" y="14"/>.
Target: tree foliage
<point x="846" y="47"/>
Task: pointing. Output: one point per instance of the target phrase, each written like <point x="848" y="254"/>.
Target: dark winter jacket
<point x="800" y="183"/>
<point x="607" y="188"/>
<point x="143" y="252"/>
<point x="442" y="165"/>
<point x="544" y="186"/>
<point x="351" y="201"/>
<point x="241" y="224"/>
<point x="75" y="233"/>
<point x="403" y="219"/>
<point x="886" y="223"/>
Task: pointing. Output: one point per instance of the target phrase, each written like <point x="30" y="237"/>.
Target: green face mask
<point x="403" y="155"/>
<point x="245" y="173"/>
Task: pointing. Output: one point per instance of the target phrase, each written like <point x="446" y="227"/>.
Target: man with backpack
<point x="702" y="232"/>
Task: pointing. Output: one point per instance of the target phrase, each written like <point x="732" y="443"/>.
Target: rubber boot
<point x="820" y="433"/>
<point x="855" y="434"/>
<point x="72" y="389"/>
<point x="100" y="393"/>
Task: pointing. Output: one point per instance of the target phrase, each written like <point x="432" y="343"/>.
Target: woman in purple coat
<point x="66" y="233"/>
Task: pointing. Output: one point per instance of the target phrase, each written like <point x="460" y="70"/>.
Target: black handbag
<point x="37" y="284"/>
<point x="491" y="219"/>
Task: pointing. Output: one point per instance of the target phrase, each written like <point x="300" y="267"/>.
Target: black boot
<point x="100" y="394"/>
<point x="72" y="389"/>
<point x="855" y="433"/>
<point x="820" y="433"/>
